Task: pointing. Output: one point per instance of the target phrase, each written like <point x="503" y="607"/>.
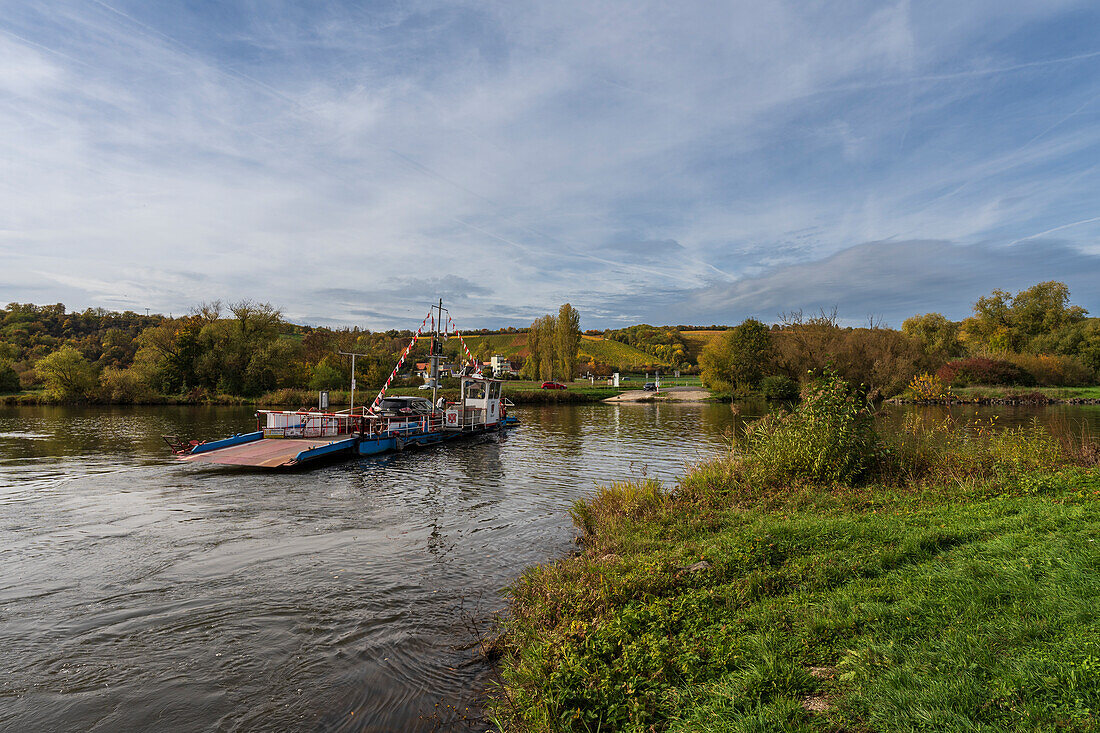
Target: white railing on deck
<point x="285" y="424"/>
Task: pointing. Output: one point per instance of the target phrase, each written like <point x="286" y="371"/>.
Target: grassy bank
<point x="937" y="579"/>
<point x="1011" y="395"/>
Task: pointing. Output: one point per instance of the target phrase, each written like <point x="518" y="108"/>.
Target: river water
<point x="138" y="593"/>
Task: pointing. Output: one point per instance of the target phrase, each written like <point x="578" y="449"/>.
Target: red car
<point x="553" y="385"/>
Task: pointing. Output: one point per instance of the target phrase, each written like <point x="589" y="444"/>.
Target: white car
<point x="428" y="385"/>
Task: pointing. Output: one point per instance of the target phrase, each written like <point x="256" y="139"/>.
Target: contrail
<point x="1055" y="229"/>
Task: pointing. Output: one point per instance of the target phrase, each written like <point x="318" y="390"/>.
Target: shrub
<point x="124" y="386"/>
<point x="928" y="387"/>
<point x="985" y="371"/>
<point x="828" y="437"/>
<point x="1054" y="371"/>
<point x="937" y="449"/>
<point x="9" y="379"/>
<point x="779" y="387"/>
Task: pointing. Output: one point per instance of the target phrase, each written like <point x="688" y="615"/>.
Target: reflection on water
<point x="140" y="593"/>
<point x="136" y="592"/>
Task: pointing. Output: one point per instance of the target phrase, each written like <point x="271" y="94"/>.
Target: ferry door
<point x="492" y="408"/>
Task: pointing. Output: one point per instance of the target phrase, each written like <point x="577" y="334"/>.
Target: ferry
<point x="285" y="438"/>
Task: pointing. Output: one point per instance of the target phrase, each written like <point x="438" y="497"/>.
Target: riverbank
<point x="947" y="583"/>
<point x="1011" y="396"/>
<point x="520" y="395"/>
<point x="671" y="394"/>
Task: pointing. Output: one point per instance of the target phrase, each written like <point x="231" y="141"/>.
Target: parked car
<point x="553" y="385"/>
<point x="426" y="385"/>
<point x="650" y="387"/>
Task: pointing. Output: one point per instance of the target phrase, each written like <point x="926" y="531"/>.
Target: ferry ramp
<point x="273" y="452"/>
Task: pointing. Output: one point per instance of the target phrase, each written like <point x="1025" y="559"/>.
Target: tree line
<point x="238" y="349"/>
<point x="1035" y="336"/>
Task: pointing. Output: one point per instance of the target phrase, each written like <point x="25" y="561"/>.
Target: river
<point x="139" y="593"/>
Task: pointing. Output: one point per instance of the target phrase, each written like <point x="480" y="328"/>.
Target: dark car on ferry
<point x="553" y="385"/>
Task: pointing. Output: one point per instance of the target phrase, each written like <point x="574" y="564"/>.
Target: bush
<point x="928" y="387"/>
<point x="779" y="387"/>
<point x="9" y="379"/>
<point x="124" y="386"/>
<point x="828" y="437"/>
<point x="945" y="449"/>
<point x="985" y="371"/>
<point x="1054" y="371"/>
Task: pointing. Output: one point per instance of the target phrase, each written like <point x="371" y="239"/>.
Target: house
<point x="423" y="370"/>
<point x="501" y="366"/>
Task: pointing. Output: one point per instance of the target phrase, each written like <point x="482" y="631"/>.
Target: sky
<point x="688" y="162"/>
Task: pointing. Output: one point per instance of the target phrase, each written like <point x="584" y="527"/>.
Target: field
<point x="696" y="340"/>
<point x="621" y="356"/>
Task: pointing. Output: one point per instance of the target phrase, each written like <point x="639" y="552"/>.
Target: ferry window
<point x="475" y="391"/>
<point x="494" y="391"/>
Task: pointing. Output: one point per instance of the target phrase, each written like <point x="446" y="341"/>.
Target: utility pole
<point x="352" y="354"/>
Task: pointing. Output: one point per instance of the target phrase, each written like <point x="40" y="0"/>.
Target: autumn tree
<point x="738" y="358"/>
<point x="936" y="332"/>
<point x="567" y="340"/>
<point x="67" y="374"/>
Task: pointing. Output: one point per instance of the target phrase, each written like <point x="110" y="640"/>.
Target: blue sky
<point x="661" y="162"/>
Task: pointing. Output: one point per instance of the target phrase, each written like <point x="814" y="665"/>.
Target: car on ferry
<point x="403" y="406"/>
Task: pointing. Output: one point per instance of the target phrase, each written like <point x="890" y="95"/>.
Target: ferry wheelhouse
<point x="284" y="438"/>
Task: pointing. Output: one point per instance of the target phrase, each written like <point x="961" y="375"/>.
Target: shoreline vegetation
<point x="289" y="397"/>
<point x="1033" y="342"/>
<point x="823" y="576"/>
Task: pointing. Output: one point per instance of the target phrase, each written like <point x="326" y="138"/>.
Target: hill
<point x="696" y="340"/>
<point x="623" y="357"/>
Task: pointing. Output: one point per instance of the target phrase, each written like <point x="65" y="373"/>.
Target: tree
<point x="326" y="376"/>
<point x="546" y="327"/>
<point x="739" y="358"/>
<point x="567" y="340"/>
<point x="1028" y="321"/>
<point x="67" y="374"/>
<point x="534" y="358"/>
<point x="936" y="332"/>
<point x="9" y="378"/>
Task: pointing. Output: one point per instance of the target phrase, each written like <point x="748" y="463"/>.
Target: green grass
<point x="941" y="609"/>
<point x="1057" y="393"/>
<point x="948" y="584"/>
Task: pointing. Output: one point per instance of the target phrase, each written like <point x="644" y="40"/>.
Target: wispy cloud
<point x="601" y="153"/>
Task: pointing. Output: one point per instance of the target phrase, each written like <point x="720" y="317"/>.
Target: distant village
<point x="499" y="366"/>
